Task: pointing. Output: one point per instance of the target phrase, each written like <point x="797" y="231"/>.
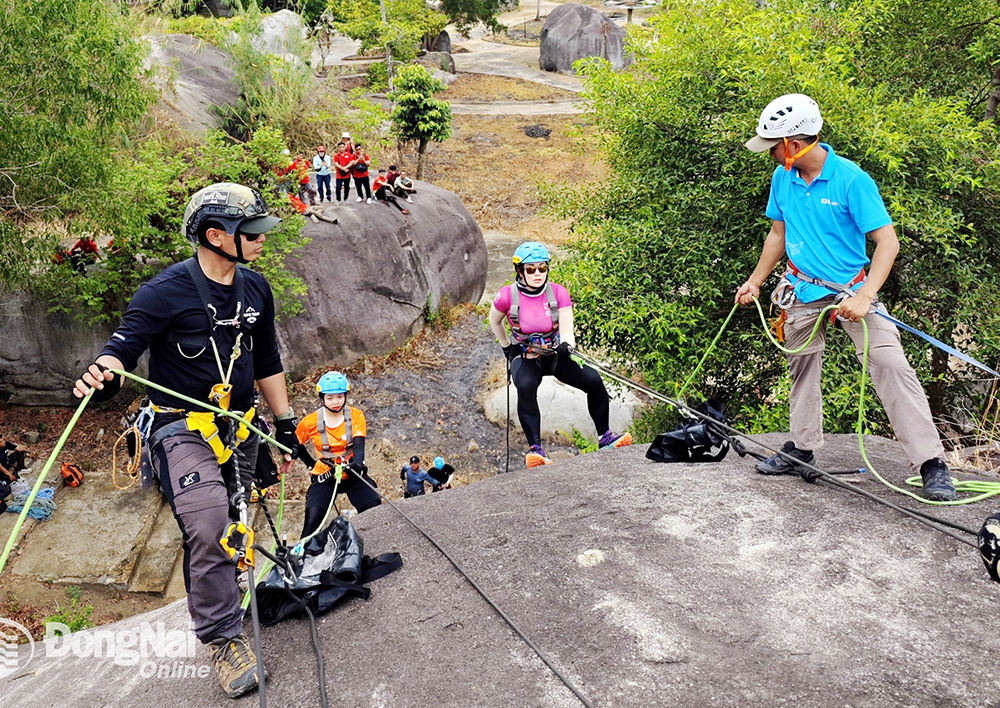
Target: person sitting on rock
<point x="335" y="433"/>
<point x="12" y="457"/>
<point x="392" y="175"/>
<point x="403" y="186"/>
<point x="415" y="478"/>
<point x="540" y="316"/>
<point x="381" y="187"/>
<point x="360" y="172"/>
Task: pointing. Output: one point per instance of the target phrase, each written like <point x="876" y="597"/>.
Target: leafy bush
<point x="407" y="21"/>
<point x="677" y="225"/>
<point x="417" y="115"/>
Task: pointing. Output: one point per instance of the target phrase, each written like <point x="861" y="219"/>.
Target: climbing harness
<point x="542" y="341"/>
<point x="879" y="309"/>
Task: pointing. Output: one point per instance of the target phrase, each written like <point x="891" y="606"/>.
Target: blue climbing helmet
<point x="439" y="462"/>
<point x="531" y="252"/>
<point x="332" y="382"/>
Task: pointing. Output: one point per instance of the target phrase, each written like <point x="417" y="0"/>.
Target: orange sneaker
<point x="536" y="457"/>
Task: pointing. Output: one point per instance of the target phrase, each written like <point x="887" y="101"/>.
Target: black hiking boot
<point x="776" y="464"/>
<point x="937" y="480"/>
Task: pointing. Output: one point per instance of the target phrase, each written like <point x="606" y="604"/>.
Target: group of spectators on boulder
<point x="348" y="161"/>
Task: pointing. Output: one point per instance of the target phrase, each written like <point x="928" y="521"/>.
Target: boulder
<point x="574" y="32"/>
<point x="438" y="60"/>
<point x="281" y="33"/>
<point x="370" y="279"/>
<point x="193" y="78"/>
<point x="564" y="408"/>
<point x="372" y="275"/>
<point x="443" y="76"/>
<point x="441" y="43"/>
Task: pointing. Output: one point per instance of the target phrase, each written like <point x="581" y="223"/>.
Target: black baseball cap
<point x="414" y="459"/>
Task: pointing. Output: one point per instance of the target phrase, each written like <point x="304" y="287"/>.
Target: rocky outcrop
<point x="438" y="60"/>
<point x="372" y="275"/>
<point x="573" y="32"/>
<point x="281" y="33"/>
<point x="645" y="585"/>
<point x="370" y="278"/>
<point x="194" y="78"/>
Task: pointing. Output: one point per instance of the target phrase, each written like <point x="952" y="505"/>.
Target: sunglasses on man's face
<point x="250" y="237"/>
<point x="540" y="268"/>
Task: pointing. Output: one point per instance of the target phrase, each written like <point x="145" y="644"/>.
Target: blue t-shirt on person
<point x="826" y="221"/>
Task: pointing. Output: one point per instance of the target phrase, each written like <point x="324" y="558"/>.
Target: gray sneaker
<point x="776" y="464"/>
<point x="236" y="665"/>
<point x="937" y="480"/>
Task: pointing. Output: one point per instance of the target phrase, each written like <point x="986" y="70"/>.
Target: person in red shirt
<point x="83" y="252"/>
<point x="392" y="175"/>
<point x="345" y="162"/>
<point x="300" y="167"/>
<point x="360" y="171"/>
<point x="382" y="193"/>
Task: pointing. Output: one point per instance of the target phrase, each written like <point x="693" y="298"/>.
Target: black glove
<point x="563" y="349"/>
<point x="111" y="388"/>
<point x="512" y="351"/>
<point x="284" y="433"/>
<point x="357" y="468"/>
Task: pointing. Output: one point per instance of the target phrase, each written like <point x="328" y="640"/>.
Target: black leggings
<point x="527" y="376"/>
<point x="319" y="495"/>
<point x="360" y="182"/>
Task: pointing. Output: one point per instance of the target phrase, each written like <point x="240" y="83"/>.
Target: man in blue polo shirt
<point x="821" y="207"/>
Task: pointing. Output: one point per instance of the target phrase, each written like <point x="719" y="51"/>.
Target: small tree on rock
<point x="417" y="115"/>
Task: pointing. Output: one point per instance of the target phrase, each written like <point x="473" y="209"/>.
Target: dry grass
<point x="494" y="167"/>
<point x="484" y="88"/>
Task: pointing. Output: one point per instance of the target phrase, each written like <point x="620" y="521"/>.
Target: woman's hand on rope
<point x="747" y="293"/>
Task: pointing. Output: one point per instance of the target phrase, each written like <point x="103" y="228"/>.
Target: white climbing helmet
<point x="784" y="117"/>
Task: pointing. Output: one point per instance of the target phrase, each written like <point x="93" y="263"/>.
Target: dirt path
<point x="519" y="108"/>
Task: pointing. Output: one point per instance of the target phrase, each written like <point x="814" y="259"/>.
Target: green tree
<point x="677" y="225"/>
<point x="73" y="87"/>
<point x="417" y="115"/>
<point x="466" y="14"/>
<point x="407" y="21"/>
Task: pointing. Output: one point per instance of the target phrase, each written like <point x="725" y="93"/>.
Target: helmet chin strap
<point x="336" y="410"/>
<point x="790" y="160"/>
<point x="237" y="240"/>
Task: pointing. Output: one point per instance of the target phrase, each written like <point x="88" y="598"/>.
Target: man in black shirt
<point x="209" y="326"/>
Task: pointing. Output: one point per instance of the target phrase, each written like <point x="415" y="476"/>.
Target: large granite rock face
<point x="193" y="77"/>
<point x="573" y="32"/>
<point x="645" y="584"/>
<point x="370" y="278"/>
<point x="281" y="33"/>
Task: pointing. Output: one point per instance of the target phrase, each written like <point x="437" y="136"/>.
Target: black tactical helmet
<point x="233" y="206"/>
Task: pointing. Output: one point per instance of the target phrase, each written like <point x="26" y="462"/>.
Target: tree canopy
<point x="678" y="223"/>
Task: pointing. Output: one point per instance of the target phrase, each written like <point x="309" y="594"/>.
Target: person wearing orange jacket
<point x="332" y="442"/>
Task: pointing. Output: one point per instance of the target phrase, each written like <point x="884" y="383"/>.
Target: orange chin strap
<point x="789" y="161"/>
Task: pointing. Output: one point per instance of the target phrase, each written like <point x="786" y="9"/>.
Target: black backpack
<point x="333" y="566"/>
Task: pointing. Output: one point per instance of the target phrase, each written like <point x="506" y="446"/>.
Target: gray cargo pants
<point x="191" y="479"/>
<point x="895" y="381"/>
